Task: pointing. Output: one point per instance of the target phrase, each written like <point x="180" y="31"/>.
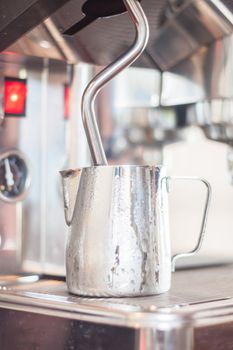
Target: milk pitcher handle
<point x="204" y="217"/>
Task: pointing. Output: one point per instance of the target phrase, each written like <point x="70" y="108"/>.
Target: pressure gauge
<point x="15" y="176"/>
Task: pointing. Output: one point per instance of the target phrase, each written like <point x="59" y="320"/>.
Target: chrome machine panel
<point x="33" y="231"/>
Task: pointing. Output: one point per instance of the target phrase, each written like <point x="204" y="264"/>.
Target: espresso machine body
<point x="173" y="107"/>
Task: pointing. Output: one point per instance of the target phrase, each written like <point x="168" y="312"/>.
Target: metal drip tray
<point x="196" y="314"/>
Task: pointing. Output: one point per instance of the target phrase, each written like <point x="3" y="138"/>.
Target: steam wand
<point x="139" y="19"/>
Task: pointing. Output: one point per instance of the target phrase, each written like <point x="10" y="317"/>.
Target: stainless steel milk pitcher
<point x="119" y="242"/>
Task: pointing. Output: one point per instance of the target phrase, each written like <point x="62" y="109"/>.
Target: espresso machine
<point x="172" y="106"/>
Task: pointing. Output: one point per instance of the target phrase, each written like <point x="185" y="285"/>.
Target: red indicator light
<point x="15" y="93"/>
<point x="66" y="102"/>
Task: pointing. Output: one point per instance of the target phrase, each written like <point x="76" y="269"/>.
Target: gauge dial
<point x="14" y="176"/>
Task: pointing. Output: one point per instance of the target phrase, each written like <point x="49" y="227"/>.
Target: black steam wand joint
<point x="94" y="9"/>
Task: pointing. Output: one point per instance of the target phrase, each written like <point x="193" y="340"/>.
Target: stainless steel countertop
<point x="198" y="297"/>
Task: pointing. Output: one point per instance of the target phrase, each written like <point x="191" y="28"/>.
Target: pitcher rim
<point x="128" y="166"/>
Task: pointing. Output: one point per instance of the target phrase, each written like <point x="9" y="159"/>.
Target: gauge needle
<point x="8" y="174"/>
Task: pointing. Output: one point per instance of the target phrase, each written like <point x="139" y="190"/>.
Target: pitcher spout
<point x="70" y="184"/>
